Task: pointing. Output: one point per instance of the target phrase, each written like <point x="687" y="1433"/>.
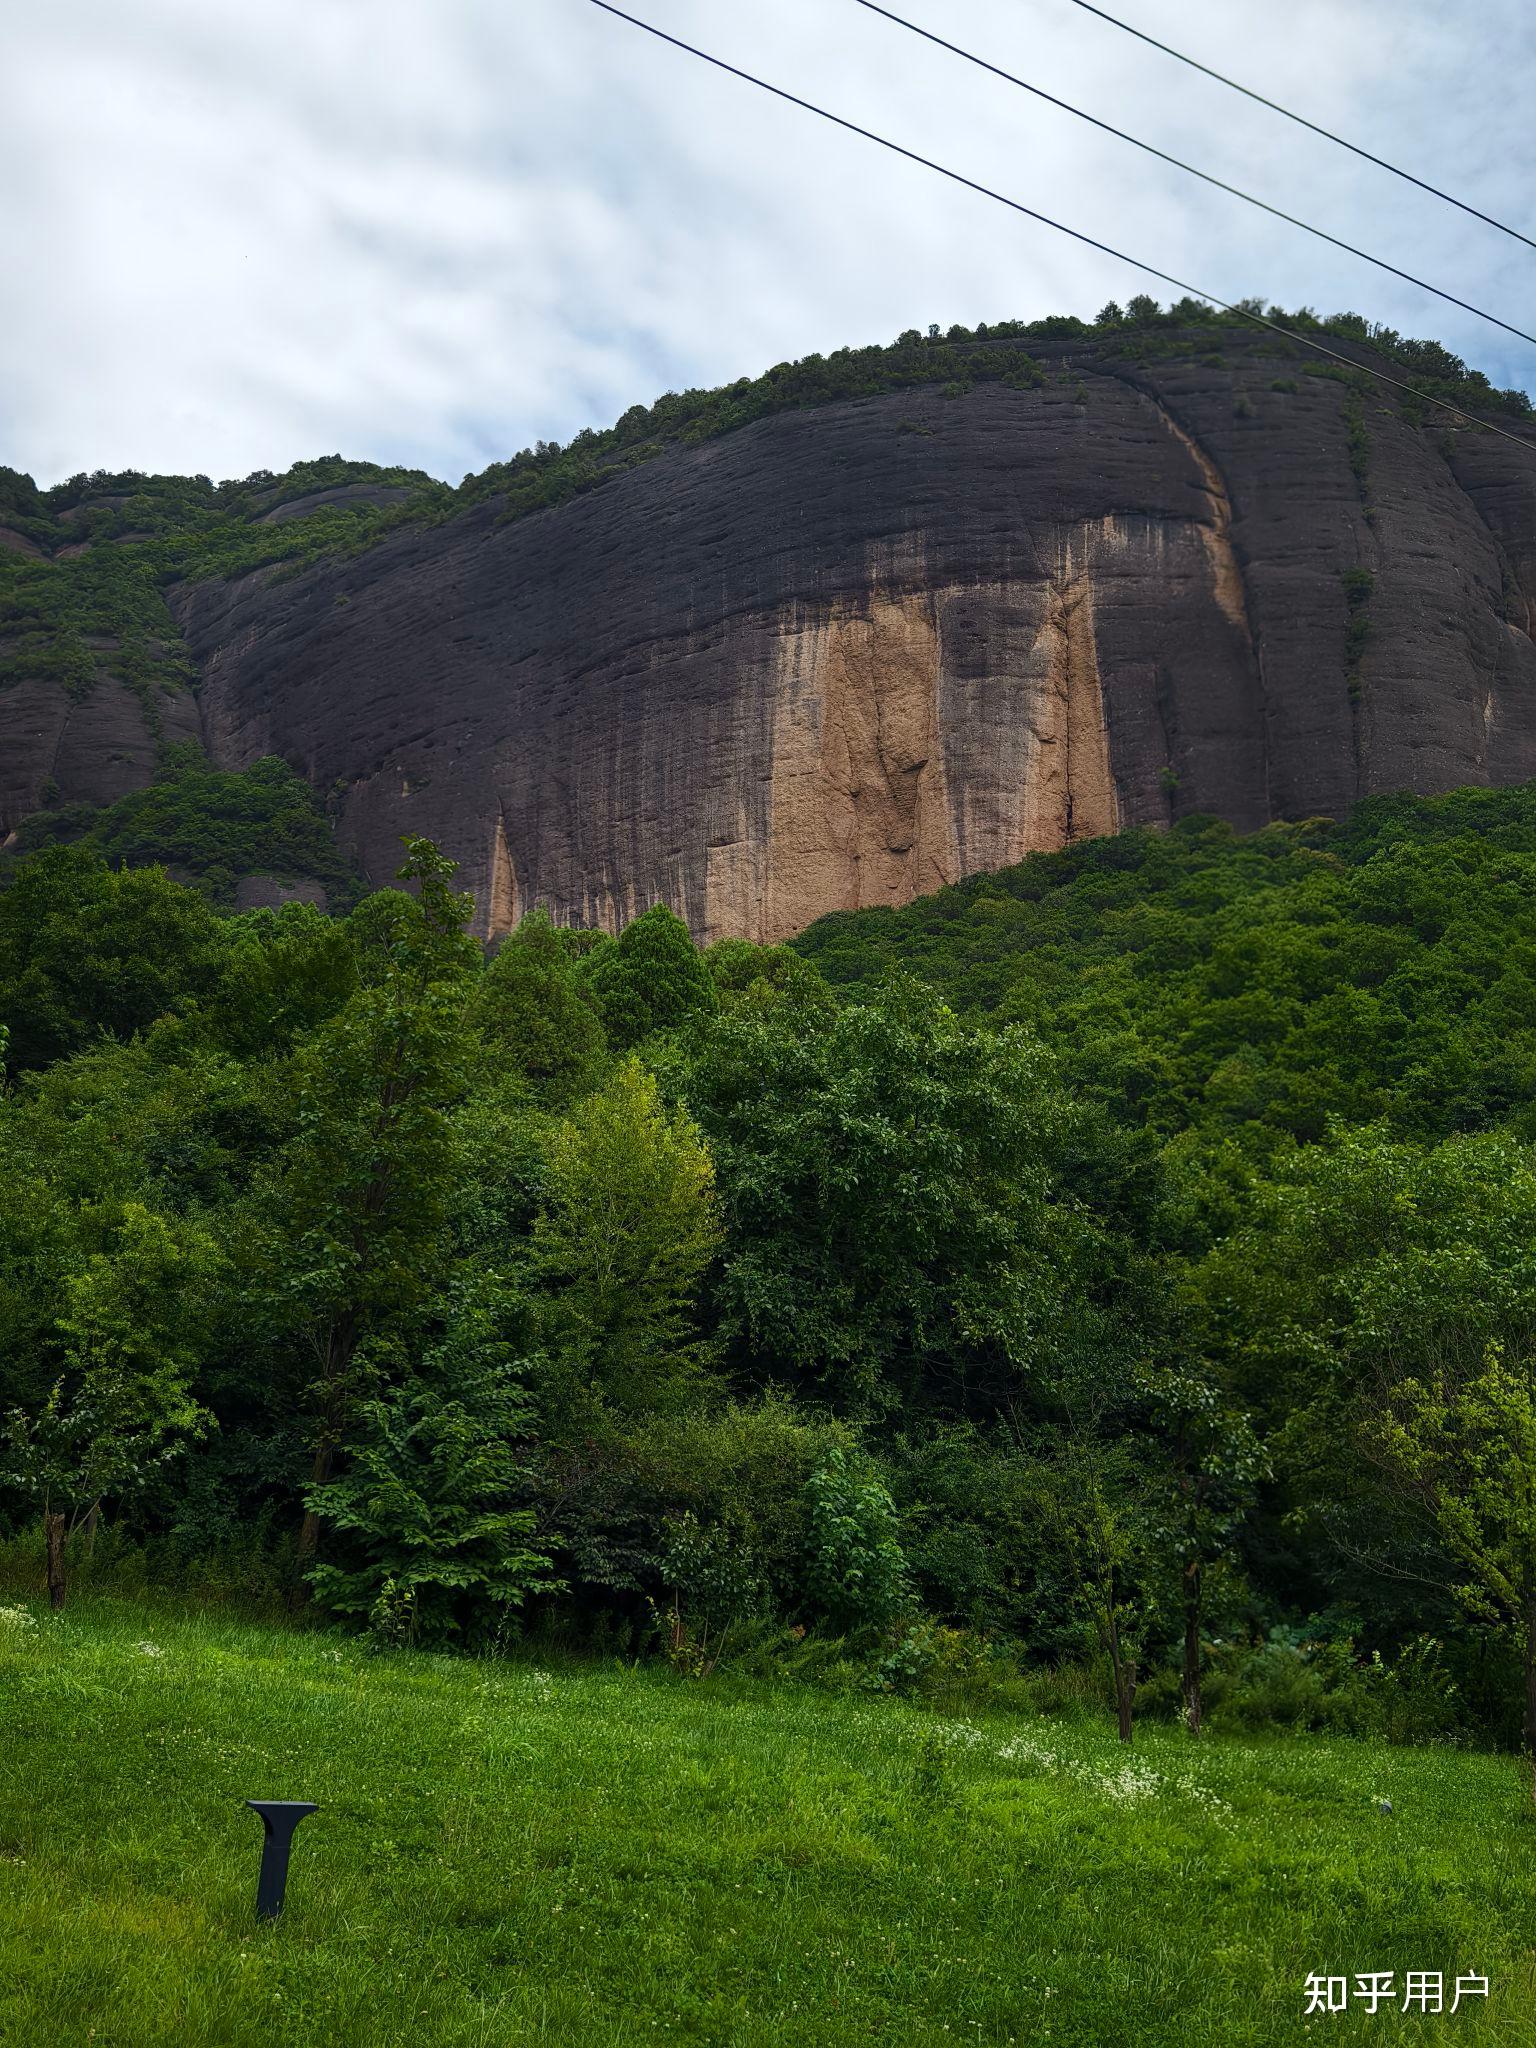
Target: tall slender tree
<point x="350" y="1215"/>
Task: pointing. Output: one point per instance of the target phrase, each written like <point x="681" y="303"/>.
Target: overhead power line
<point x="1307" y="341"/>
<point x="1302" y="122"/>
<point x="1194" y="171"/>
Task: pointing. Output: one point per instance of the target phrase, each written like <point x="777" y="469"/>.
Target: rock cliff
<point x="843" y="655"/>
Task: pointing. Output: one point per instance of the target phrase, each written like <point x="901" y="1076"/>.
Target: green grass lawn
<point x="506" y="1853"/>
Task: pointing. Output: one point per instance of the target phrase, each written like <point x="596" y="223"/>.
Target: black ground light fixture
<point x="279" y="1818"/>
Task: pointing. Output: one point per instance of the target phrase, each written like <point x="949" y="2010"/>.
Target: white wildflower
<point x="149" y="1649"/>
<point x="1128" y="1785"/>
<point x="952" y="1734"/>
<point x="1029" y="1749"/>
<point x="18" y="1618"/>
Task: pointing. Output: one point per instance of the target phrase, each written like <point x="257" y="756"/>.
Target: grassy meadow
<point x="513" y="1852"/>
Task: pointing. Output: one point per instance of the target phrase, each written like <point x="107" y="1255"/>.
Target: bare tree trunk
<point x="1125" y="1677"/>
<point x="309" y="1528"/>
<point x="92" y="1521"/>
<point x="53" y="1527"/>
<point x="340" y="1346"/>
<point x="1192" y="1701"/>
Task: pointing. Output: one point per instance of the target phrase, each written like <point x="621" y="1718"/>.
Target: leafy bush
<point x="732" y="1475"/>
<point x="854" y="1568"/>
<point x="946" y="1663"/>
<point x="1295" y="1679"/>
<point x="439" y="1541"/>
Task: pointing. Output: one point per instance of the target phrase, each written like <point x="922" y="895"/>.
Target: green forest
<point x="1113" y="1275"/>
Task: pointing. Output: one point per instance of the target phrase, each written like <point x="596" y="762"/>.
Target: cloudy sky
<point x="431" y="231"/>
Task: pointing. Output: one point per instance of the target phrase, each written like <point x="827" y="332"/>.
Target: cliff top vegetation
<point x="84" y="573"/>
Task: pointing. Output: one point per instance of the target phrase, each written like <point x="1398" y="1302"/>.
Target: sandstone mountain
<point x="845" y="653"/>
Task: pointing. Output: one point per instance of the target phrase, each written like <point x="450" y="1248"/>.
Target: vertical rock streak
<point x="1228" y="587"/>
<point x="503" y="906"/>
<point x="868" y="804"/>
<point x="856" y="810"/>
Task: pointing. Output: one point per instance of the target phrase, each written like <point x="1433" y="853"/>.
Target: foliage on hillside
<point x="1125" y="1257"/>
<point x="212" y="826"/>
<point x="1254" y="988"/>
<point x="92" y="603"/>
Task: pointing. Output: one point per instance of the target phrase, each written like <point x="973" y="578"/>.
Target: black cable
<point x="1302" y="122"/>
<point x="1220" y="183"/>
<point x="1258" y="319"/>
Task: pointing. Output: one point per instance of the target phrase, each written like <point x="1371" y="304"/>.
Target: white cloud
<point x="234" y="237"/>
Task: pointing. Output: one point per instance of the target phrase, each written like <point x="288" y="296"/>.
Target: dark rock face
<point x="270" y="892"/>
<point x="844" y="655"/>
<point x="92" y="749"/>
<point x="338" y="494"/>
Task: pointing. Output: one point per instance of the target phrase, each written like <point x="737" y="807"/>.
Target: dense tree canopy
<point x="1127" y="1255"/>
